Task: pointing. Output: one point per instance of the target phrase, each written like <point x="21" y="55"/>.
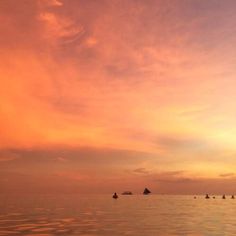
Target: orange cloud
<point x="143" y="77"/>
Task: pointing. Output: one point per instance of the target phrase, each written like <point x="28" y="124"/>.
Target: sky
<point x="115" y="95"/>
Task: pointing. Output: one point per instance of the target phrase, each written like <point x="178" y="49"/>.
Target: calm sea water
<point x="45" y="215"/>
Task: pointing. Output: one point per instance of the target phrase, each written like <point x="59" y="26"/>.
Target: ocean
<point x="90" y="215"/>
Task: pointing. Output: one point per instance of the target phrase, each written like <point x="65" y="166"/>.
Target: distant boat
<point x="127" y="193"/>
<point x="223" y="197"/>
<point x="115" y="196"/>
<point x="146" y="191"/>
<point x="207" y="196"/>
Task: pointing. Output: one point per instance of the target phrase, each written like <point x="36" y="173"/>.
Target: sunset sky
<point x="113" y="95"/>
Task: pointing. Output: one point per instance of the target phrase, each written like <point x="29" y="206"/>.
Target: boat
<point x="127" y="193"/>
<point x="115" y="196"/>
<point x="146" y="191"/>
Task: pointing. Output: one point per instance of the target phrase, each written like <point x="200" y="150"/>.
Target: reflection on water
<point x="90" y="215"/>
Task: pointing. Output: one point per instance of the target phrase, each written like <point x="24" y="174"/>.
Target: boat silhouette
<point x="146" y="191"/>
<point x="127" y="193"/>
<point x="115" y="196"/>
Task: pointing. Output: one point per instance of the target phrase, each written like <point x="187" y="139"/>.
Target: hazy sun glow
<point x="117" y="95"/>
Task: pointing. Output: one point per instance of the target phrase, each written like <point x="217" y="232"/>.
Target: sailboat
<point x="146" y="191"/>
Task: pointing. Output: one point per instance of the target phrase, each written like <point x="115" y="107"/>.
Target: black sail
<point x="146" y="191"/>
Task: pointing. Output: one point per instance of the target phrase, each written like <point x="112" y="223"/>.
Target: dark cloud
<point x="175" y="180"/>
<point x="227" y="175"/>
<point x="141" y="171"/>
<point x="84" y="157"/>
<point x="8" y="155"/>
<point x="171" y="142"/>
<point x="171" y="177"/>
